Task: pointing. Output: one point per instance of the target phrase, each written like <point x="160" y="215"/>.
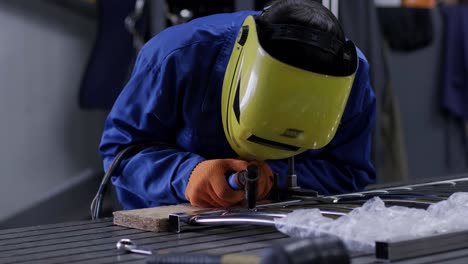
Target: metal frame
<point x="333" y="206"/>
<point x="398" y="250"/>
<point x="416" y="195"/>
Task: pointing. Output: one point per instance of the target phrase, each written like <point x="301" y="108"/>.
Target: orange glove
<point x="208" y="187"/>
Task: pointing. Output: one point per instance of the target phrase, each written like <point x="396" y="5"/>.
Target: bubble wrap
<point x="372" y="222"/>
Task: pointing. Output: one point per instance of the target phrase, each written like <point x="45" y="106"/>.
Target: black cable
<point x="96" y="204"/>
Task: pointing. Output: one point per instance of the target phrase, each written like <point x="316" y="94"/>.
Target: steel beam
<point x="398" y="250"/>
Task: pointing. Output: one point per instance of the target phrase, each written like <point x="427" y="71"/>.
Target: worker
<point x="209" y="97"/>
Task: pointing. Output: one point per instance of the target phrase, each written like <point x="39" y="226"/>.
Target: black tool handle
<point x="251" y="186"/>
<point x="318" y="250"/>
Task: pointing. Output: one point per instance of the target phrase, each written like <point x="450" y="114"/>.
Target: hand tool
<point x="248" y="181"/>
<point x="128" y="245"/>
<point x="251" y="186"/>
<point x="318" y="250"/>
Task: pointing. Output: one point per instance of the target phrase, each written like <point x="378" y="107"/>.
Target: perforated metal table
<point x="94" y="242"/>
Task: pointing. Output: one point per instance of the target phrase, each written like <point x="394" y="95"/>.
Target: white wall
<point x="45" y="139"/>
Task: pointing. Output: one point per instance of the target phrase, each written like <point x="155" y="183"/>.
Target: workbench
<point x="95" y="242"/>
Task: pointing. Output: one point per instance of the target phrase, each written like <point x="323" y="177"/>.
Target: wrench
<point x="128" y="245"/>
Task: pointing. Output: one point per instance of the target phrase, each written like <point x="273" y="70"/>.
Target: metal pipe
<point x="232" y="220"/>
<point x="246" y="218"/>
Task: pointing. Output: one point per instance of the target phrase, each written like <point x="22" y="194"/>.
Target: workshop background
<point x="63" y="62"/>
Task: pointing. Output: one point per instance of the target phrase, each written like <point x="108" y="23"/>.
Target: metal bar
<point x="399" y="250"/>
<point x="451" y="182"/>
<point x="232" y="220"/>
<point x="357" y="201"/>
<point x="444" y="190"/>
<point x="184" y="221"/>
<point x="246" y="218"/>
<point x="265" y="213"/>
<point x="180" y="221"/>
<point x="414" y="192"/>
<point x="403" y="196"/>
<point x="391" y="202"/>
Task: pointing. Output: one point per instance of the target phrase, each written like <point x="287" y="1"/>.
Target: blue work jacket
<point x="174" y="96"/>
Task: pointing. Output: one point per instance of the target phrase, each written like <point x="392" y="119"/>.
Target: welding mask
<point x="275" y="107"/>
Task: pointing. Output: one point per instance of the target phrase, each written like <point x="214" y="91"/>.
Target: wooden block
<point x="154" y="219"/>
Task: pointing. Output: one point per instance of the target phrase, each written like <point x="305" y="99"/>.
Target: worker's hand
<point x="208" y="187"/>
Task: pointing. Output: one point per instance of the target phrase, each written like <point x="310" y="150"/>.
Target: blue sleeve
<point x="146" y="111"/>
<point x="344" y="165"/>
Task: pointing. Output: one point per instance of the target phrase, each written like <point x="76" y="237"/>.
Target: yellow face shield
<point x="272" y="110"/>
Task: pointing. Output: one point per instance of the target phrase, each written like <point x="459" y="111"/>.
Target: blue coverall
<point x="174" y="96"/>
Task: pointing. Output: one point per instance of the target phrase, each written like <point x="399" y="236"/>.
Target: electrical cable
<point x="96" y="204"/>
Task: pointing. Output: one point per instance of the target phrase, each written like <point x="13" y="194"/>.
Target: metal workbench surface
<point x="95" y="242"/>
